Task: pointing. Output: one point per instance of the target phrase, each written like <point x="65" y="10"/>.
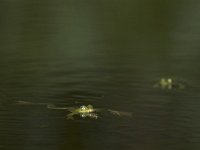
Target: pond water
<point x="105" y="53"/>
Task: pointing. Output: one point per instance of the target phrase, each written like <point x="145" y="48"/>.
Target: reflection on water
<point x="107" y="54"/>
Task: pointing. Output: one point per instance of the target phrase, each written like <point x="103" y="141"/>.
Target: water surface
<point x="105" y="53"/>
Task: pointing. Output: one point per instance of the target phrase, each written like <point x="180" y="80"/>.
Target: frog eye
<point x="169" y="80"/>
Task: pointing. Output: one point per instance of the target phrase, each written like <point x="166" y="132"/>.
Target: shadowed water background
<point x="105" y="53"/>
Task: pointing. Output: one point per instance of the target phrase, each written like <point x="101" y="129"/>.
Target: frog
<point x="87" y="111"/>
<point x="169" y="83"/>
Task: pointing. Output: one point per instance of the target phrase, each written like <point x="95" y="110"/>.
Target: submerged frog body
<point x="83" y="111"/>
<point x="87" y="111"/>
<point x="169" y="83"/>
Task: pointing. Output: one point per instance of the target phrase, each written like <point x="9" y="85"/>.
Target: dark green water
<point x="106" y="53"/>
